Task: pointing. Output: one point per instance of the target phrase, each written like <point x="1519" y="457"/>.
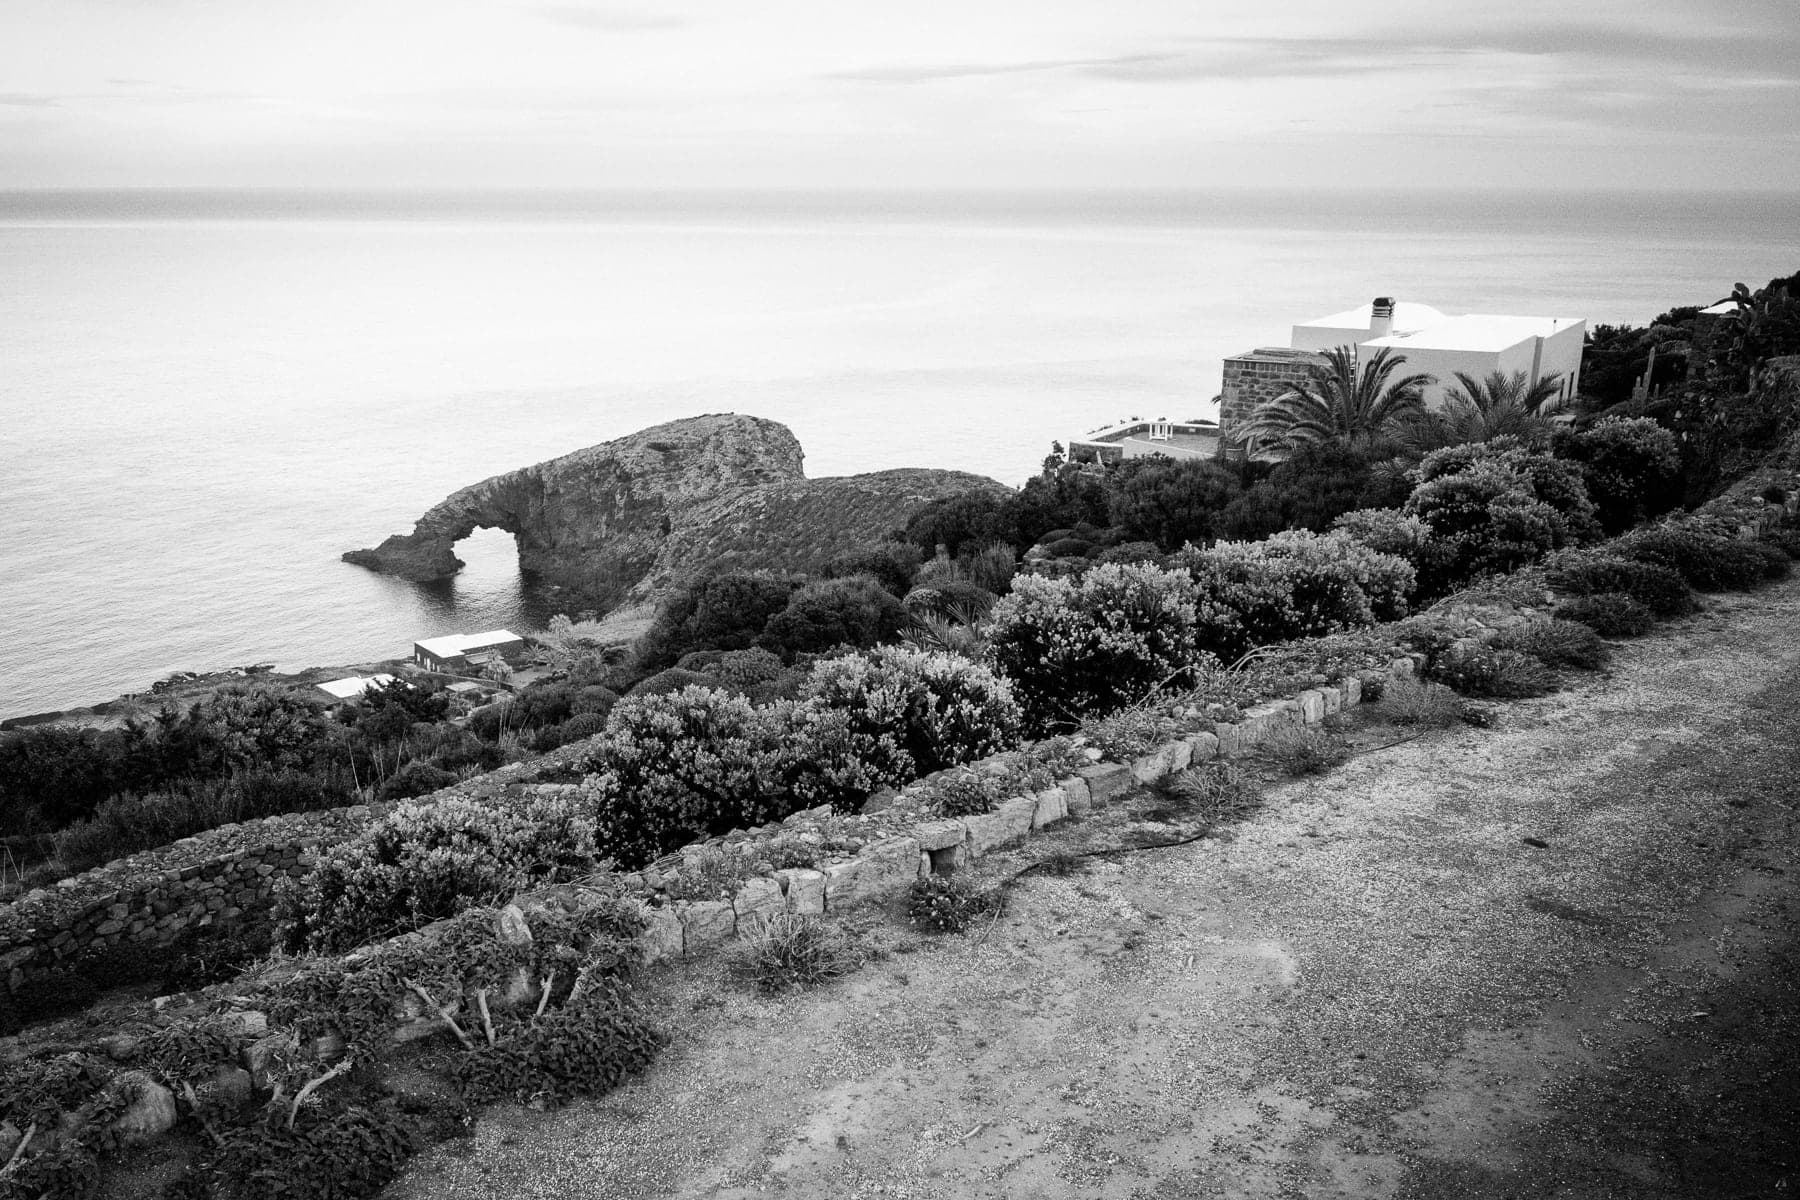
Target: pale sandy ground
<point x="1376" y="988"/>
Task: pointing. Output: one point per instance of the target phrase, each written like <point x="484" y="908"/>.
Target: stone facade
<point x="1256" y="377"/>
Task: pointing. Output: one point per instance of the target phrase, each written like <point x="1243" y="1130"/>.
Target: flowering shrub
<point x="1541" y="476"/>
<point x="1293" y="585"/>
<point x="671" y="768"/>
<point x="1488" y="671"/>
<point x="1482" y="520"/>
<point x="1093" y="644"/>
<point x="1387" y="530"/>
<point x="424" y="861"/>
<point x="1556" y="643"/>
<point x="974" y="790"/>
<point x="934" y="709"/>
<point x="1707" y="561"/>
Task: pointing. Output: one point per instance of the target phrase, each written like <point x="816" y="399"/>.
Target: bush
<point x="414" y="779"/>
<point x="1387" y="531"/>
<point x="1632" y="468"/>
<point x="424" y="861"/>
<point x="343" y="1154"/>
<point x="1495" y="506"/>
<point x="827" y="614"/>
<point x="1073" y="647"/>
<point x="1785" y="540"/>
<point x="1216" y="792"/>
<point x="953" y="599"/>
<point x="1777" y="563"/>
<point x="1311" y="489"/>
<point x="792" y="952"/>
<point x="1305" y="750"/>
<point x="1707" y="562"/>
<point x="1658" y="588"/>
<point x="942" y="904"/>
<point x="937" y="710"/>
<point x="1168" y="503"/>
<point x="891" y="564"/>
<point x="585" y="1048"/>
<point x="672" y="680"/>
<point x="724" y="612"/>
<point x="1556" y="643"/>
<point x="1496" y="673"/>
<point x="1421" y="703"/>
<point x="1609" y="614"/>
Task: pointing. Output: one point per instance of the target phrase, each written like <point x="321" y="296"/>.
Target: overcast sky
<point x="1682" y="94"/>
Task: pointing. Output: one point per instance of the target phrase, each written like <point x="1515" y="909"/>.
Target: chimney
<point x="1381" y="317"/>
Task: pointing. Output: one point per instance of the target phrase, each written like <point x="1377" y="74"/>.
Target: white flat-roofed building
<point x="352" y="686"/>
<point x="459" y="653"/>
<point x="1431" y="342"/>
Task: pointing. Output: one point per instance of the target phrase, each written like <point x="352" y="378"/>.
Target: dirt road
<point x="1376" y="988"/>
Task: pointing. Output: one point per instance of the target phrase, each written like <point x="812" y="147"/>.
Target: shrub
<point x="970" y="791"/>
<point x="1556" y="643"/>
<point x="424" y="861"/>
<point x="1497" y="673"/>
<point x="1387" y="531"/>
<point x="414" y="779"/>
<point x="1541" y="476"/>
<point x="724" y="612"/>
<point x="1131" y="732"/>
<point x="713" y="873"/>
<point x="1494" y="506"/>
<point x="1632" y="468"/>
<point x="1707" y="562"/>
<point x="1421" y="703"/>
<point x="792" y="952"/>
<point x="1072" y="647"/>
<point x="1785" y="540"/>
<point x="942" y="904"/>
<point x="824" y="615"/>
<point x="1777" y="563"/>
<point x="1305" y="750"/>
<point x="1215" y="792"/>
<point x="1609" y="614"/>
<point x="672" y="680"/>
<point x="1658" y="588"/>
<point x="891" y="564"/>
<point x="592" y="1043"/>
<point x="952" y="598"/>
<point x="1314" y="486"/>
<point x="1167" y="503"/>
<point x="936" y="709"/>
<point x="1294" y="585"/>
<point x="342" y="1154"/>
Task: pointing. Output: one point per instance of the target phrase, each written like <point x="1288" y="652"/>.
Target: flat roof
<point x="452" y="644"/>
<point x="1723" y="308"/>
<point x="1477" y="331"/>
<point x="352" y="686"/>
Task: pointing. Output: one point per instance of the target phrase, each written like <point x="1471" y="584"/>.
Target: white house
<point x="1431" y="342"/>
<point x="460" y="653"/>
<point x="352" y="686"/>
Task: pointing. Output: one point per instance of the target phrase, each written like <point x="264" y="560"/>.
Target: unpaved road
<point x="1376" y="988"/>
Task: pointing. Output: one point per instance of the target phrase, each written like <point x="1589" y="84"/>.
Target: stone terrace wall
<point x="1255" y="378"/>
<point x="224" y="875"/>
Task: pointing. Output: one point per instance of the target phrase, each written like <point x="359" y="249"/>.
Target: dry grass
<point x="1305" y="750"/>
<point x="1419" y="703"/>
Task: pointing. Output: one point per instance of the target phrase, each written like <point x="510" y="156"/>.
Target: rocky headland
<point x="618" y="521"/>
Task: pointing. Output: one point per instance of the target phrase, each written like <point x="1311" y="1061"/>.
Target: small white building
<point x="466" y="653"/>
<point x="350" y="687"/>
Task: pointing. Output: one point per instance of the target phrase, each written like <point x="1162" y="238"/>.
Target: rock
<point x="1151" y="767"/>
<point x="150" y="1112"/>
<point x="939" y="835"/>
<point x="1007" y="824"/>
<point x="623" y="519"/>
<point x="257" y="1057"/>
<point x="705" y="923"/>
<point x="1052" y="806"/>
<point x="757" y="900"/>
<point x="512" y="928"/>
<point x="1352" y="686"/>
<point x="229" y="1088"/>
<point x="1076" y="797"/>
<point x="10" y="1137"/>
<point x="121" y="1047"/>
<point x="880" y="801"/>
<point x="1312" y="705"/>
<point x="804" y="889"/>
<point x="1334" y="699"/>
<point x="1202" y="748"/>
<point x="1106" y="782"/>
<point x="1181" y="755"/>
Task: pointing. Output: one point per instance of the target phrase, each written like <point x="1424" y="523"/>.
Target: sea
<point x="206" y="397"/>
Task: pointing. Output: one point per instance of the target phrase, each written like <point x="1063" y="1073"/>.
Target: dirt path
<point x="1376" y="988"/>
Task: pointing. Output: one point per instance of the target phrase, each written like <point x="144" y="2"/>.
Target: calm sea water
<point x="205" y="398"/>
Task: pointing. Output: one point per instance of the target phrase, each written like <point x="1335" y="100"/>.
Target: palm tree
<point x="1338" y="402"/>
<point x="1479" y="410"/>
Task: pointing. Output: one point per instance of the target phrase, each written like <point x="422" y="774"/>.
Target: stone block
<point x="881" y="872"/>
<point x="757" y="901"/>
<point x="1075" y="796"/>
<point x="1401" y="668"/>
<point x="1312" y="705"/>
<point x="1334" y="699"/>
<point x="804" y="889"/>
<point x="1202" y="748"/>
<point x="1181" y="755"/>
<point x="662" y="933"/>
<point x="1231" y="742"/>
<point x="1052" y="806"/>
<point x="704" y="924"/>
<point x="1107" y="782"/>
<point x="941" y="835"/>
<point x="1151" y="767"/>
<point x="1352" y="690"/>
<point x="149" y="1112"/>
<point x="511" y="927"/>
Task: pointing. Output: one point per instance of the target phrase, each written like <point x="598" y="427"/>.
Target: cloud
<point x="29" y="100"/>
<point x="930" y="72"/>
<point x="611" y="20"/>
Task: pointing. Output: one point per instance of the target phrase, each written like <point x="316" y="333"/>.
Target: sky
<point x="1686" y="95"/>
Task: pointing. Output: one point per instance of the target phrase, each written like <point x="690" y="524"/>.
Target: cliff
<point x="623" y="518"/>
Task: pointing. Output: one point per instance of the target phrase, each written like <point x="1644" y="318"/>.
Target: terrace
<point x="1137" y="438"/>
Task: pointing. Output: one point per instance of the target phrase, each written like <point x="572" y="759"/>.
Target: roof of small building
<point x="452" y="644"/>
<point x="1407" y="315"/>
<point x="1477" y="331"/>
<point x="1723" y="308"/>
<point x="352" y="686"/>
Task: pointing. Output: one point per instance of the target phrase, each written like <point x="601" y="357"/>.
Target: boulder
<point x="804" y="889"/>
<point x="149" y="1112"/>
